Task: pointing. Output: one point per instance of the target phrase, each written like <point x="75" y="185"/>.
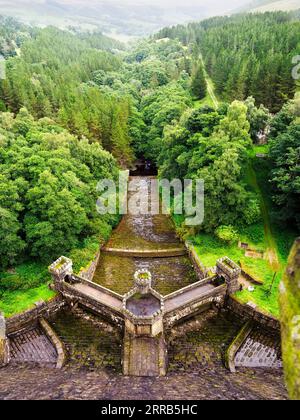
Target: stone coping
<point x="155" y="253"/>
<point x="228" y="266"/>
<point x="60" y="265"/>
<point x="236" y="345"/>
<point x="57" y="343"/>
<point x="98" y="287"/>
<point x="190" y="287"/>
<point x="195" y="257"/>
<point x="217" y="292"/>
<point x="252" y="312"/>
<point x="109" y="312"/>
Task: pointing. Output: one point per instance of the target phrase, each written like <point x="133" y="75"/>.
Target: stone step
<point x="157" y="253"/>
<point x="32" y="346"/>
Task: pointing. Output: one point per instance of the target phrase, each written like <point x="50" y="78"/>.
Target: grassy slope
<point x="30" y="280"/>
<point x="12" y="303"/>
<point x="264" y="236"/>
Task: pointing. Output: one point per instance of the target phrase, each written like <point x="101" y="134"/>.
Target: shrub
<point x="227" y="234"/>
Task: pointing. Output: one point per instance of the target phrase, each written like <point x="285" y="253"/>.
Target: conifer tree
<point x="198" y="84"/>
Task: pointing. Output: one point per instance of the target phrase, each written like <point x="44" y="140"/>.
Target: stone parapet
<point x="74" y="296"/>
<point x="89" y="272"/>
<point x="28" y="319"/>
<point x="251" y="312"/>
<point x="57" y="343"/>
<point x="4" y="344"/>
<point x="199" y="267"/>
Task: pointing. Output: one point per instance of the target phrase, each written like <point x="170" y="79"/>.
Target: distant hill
<point x="271" y="5"/>
<point x="110" y="17"/>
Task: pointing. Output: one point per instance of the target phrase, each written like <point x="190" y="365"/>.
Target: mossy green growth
<point x="210" y="249"/>
<point x="144" y="276"/>
<point x="290" y="321"/>
<point x="60" y="264"/>
<point x="13" y="303"/>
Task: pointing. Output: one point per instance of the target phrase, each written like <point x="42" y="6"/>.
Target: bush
<point x="227" y="234"/>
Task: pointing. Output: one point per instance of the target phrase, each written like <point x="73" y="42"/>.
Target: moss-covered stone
<point x="290" y="319"/>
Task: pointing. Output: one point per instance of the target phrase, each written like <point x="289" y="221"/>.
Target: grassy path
<point x="210" y="87"/>
<point x="270" y="240"/>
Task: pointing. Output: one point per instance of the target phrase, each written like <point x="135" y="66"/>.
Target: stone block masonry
<point x="248" y="312"/>
<point x="4" y="347"/>
<point x="30" y="318"/>
<point x="89" y="272"/>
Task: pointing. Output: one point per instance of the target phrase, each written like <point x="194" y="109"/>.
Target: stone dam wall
<point x="30" y="318"/>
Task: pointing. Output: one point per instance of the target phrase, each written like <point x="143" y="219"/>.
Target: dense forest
<point x="246" y="55"/>
<point x="78" y="106"/>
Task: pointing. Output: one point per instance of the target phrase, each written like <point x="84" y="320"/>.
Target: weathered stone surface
<point x="231" y="272"/>
<point x="260" y="349"/>
<point x="248" y="312"/>
<point x="235" y="346"/>
<point x="201" y="383"/>
<point x="89" y="272"/>
<point x="290" y="322"/>
<point x="4" y="345"/>
<point x="30" y="318"/>
<point x="57" y="343"/>
<point x="93" y="370"/>
<point x="144" y="356"/>
<point x="32" y="346"/>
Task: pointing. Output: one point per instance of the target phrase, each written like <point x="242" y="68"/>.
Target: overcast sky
<point x="219" y="5"/>
<point x="127" y="17"/>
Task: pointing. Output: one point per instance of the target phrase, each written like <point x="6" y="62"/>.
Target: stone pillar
<point x="143" y="281"/>
<point x="231" y="272"/>
<point x="4" y="345"/>
<point x="60" y="269"/>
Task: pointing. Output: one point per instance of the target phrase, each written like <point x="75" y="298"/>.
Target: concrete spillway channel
<point x="144" y="316"/>
<point x="147" y="308"/>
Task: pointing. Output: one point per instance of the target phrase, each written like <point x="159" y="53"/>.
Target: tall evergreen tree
<point x="198" y="83"/>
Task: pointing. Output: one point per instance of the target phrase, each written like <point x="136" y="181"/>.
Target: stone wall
<point x="31" y="317"/>
<point x="200" y="269"/>
<point x="236" y="345"/>
<point x="89" y="272"/>
<point x="4" y="346"/>
<point x="215" y="297"/>
<point x="74" y="296"/>
<point x="157" y="253"/>
<point x="57" y="343"/>
<point x="190" y="287"/>
<point x="248" y="312"/>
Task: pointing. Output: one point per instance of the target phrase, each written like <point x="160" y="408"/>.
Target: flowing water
<point x="196" y="347"/>
<point x="144" y="232"/>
